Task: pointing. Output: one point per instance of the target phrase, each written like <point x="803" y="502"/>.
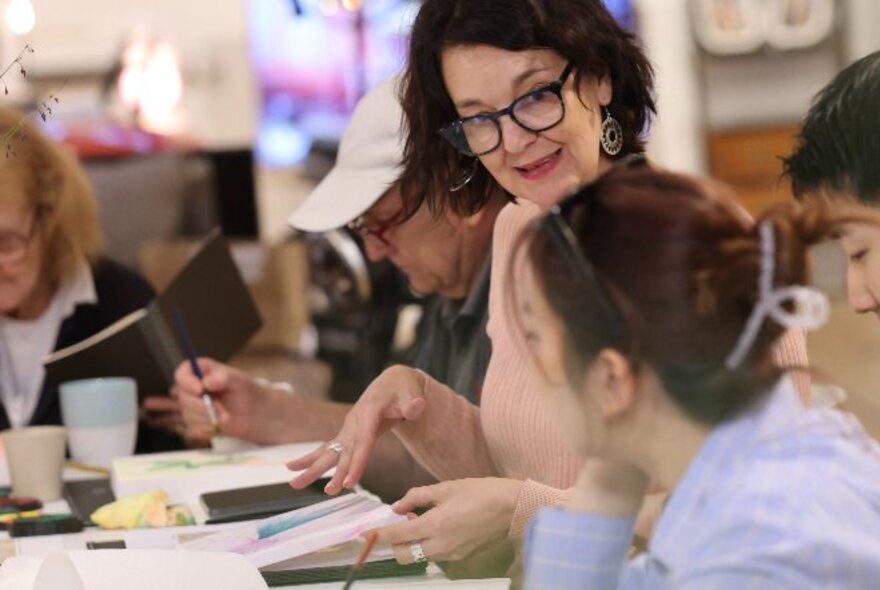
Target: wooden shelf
<point x="750" y="161"/>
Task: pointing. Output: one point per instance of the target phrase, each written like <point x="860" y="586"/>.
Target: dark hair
<point x="582" y="31"/>
<point x="839" y="143"/>
<point x="681" y="264"/>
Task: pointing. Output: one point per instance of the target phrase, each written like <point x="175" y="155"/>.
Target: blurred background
<point x="189" y="114"/>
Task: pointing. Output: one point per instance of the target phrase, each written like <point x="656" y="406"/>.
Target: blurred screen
<point x="315" y="58"/>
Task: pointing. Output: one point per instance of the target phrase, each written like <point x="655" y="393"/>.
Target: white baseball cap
<point x="368" y="163"/>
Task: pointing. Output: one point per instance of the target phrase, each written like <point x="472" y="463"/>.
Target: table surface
<point x="41" y="547"/>
<point x="45" y="545"/>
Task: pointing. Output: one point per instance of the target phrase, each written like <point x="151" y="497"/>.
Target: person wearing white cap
<point x="445" y="256"/>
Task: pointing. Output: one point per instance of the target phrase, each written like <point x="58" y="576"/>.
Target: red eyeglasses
<point x="377" y="230"/>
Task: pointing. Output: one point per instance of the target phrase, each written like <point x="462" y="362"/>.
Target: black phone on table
<point x="260" y="501"/>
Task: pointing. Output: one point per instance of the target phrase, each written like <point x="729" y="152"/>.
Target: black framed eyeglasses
<point x="555" y="223"/>
<point x="535" y="111"/>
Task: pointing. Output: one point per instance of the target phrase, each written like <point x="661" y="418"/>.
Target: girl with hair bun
<point x="651" y="306"/>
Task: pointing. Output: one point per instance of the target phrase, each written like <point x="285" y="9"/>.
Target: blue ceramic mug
<point x="101" y="418"/>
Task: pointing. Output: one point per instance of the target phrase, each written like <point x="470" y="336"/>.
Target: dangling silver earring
<point x="612" y="134"/>
<point x="465" y="177"/>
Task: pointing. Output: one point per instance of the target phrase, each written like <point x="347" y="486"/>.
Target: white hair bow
<point x="810" y="306"/>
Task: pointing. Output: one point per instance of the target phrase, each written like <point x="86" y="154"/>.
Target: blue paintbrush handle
<point x="190" y="353"/>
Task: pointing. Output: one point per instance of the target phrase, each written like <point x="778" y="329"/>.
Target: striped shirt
<point x="779" y="497"/>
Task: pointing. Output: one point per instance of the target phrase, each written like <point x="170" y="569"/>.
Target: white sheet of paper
<point x="19" y="573"/>
<point x="150" y="539"/>
<point x="112" y="569"/>
<point x="40" y="546"/>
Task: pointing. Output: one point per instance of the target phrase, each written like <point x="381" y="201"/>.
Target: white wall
<point x="677" y="136"/>
<point x="697" y="93"/>
<point x="220" y="100"/>
<point x="863" y="28"/>
<point x="766" y="89"/>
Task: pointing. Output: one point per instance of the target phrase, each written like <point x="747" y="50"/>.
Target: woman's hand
<point x="465" y="515"/>
<point x="395" y="395"/>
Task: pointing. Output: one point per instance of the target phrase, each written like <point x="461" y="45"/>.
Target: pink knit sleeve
<point x="791" y="351"/>
<point x="455" y="439"/>
<point x="532" y="498"/>
<point x="448" y="439"/>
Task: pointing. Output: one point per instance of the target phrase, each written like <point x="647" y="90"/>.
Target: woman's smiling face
<point x="540" y="167"/>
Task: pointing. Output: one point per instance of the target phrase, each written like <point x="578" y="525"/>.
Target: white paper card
<point x="19" y="573"/>
<point x="39" y="546"/>
<point x="112" y="569"/>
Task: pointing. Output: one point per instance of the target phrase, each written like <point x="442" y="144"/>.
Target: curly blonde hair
<point x="53" y="184"/>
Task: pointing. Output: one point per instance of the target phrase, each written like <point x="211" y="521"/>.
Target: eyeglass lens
<point x="378" y="230"/>
<point x="534" y="112"/>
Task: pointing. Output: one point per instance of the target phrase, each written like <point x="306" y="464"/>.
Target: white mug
<point x="35" y="457"/>
<point x="101" y="418"/>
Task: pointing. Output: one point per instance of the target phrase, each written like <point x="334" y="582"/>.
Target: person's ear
<point x="604" y="89"/>
<point x="474" y="219"/>
<point x="466" y="221"/>
<point x="613" y="383"/>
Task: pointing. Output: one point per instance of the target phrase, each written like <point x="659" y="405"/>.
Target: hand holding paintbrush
<point x="187" y="346"/>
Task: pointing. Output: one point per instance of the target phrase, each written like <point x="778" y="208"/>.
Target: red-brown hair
<point x="679" y="261"/>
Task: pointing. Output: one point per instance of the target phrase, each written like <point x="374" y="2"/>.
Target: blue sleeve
<point x="570" y="550"/>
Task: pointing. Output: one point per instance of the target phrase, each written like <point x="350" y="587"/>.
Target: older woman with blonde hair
<point x="55" y="288"/>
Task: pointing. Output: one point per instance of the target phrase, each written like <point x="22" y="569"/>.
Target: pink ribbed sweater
<point x="510" y="435"/>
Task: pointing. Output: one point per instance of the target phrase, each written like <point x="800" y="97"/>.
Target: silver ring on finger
<point x="335" y="446"/>
<point x="418" y="553"/>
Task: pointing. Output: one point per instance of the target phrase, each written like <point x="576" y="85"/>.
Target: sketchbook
<point x="211" y="298"/>
<point x="319" y="535"/>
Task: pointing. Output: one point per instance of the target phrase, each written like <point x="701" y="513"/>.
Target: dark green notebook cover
<point x="375" y="569"/>
<point x="212" y="298"/>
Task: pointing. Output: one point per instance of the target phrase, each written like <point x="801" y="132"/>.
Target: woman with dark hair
<point x="538" y="97"/>
<point x="651" y="308"/>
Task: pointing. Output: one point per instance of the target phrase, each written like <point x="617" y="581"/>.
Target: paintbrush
<point x="371" y="537"/>
<point x="186" y="343"/>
